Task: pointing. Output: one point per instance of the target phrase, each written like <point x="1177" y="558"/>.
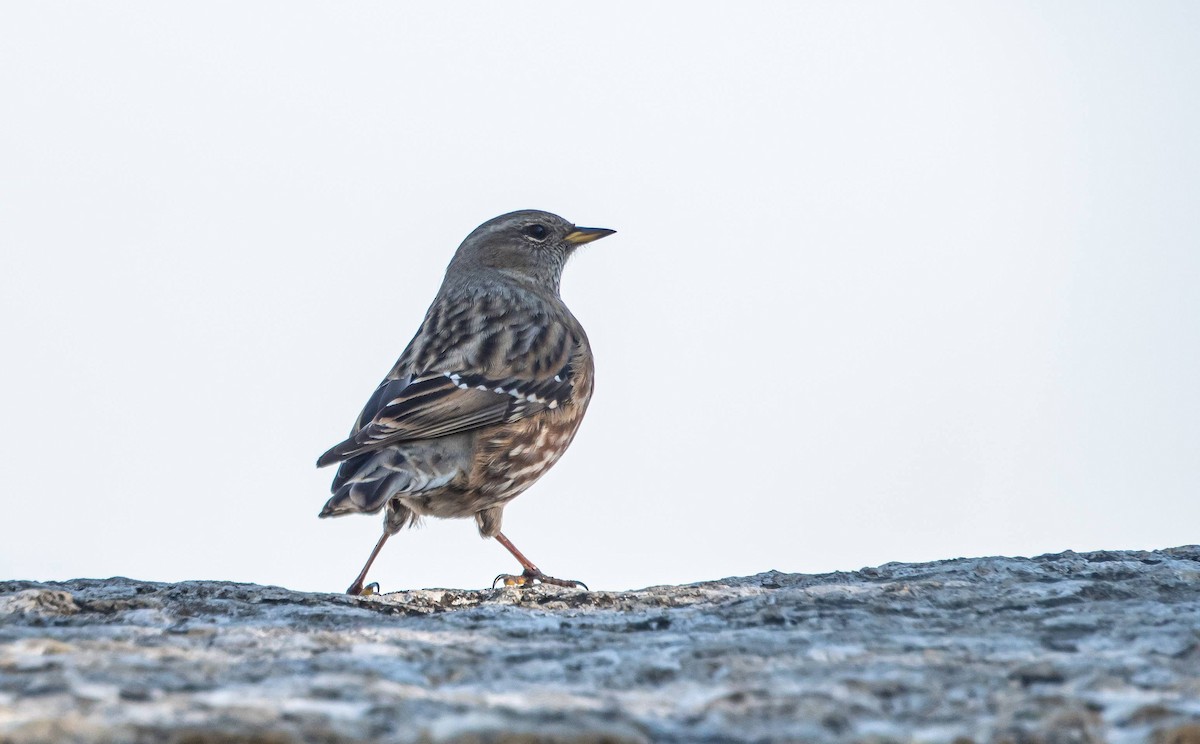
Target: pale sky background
<point x="891" y="282"/>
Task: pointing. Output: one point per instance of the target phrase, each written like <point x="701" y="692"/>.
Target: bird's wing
<point x="443" y="403"/>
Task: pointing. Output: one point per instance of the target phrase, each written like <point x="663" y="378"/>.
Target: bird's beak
<point x="581" y="235"/>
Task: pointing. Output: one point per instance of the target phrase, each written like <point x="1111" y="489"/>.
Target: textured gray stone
<point x="1095" y="647"/>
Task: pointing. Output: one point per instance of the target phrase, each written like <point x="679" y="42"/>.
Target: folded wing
<point x="440" y="404"/>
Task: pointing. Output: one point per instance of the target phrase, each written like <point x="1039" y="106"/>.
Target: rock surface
<point x="1095" y="647"/>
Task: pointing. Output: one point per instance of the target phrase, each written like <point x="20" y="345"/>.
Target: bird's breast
<point x="512" y="456"/>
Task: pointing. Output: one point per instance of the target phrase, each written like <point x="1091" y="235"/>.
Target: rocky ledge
<point x="1074" y="647"/>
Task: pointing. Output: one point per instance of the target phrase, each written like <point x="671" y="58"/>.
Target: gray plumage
<point x="487" y="395"/>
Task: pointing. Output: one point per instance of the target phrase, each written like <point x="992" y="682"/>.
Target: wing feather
<point x="438" y="405"/>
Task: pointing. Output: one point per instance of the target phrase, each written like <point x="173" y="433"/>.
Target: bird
<point x="485" y="398"/>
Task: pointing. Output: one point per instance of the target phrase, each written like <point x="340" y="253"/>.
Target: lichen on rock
<point x="1081" y="647"/>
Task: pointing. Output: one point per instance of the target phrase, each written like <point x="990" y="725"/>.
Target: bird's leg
<point x="532" y="574"/>
<point x="357" y="586"/>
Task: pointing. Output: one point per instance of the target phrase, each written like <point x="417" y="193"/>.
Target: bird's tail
<point x="365" y="483"/>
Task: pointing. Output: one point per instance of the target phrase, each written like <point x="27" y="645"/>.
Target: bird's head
<point x="529" y="245"/>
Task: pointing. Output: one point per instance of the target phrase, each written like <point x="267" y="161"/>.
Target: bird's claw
<point x="358" y="590"/>
<point x="529" y="578"/>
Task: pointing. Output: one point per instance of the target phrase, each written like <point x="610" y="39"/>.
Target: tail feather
<point x="365" y="483"/>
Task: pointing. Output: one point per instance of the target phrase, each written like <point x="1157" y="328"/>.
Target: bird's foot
<point x="529" y="578"/>
<point x="358" y="590"/>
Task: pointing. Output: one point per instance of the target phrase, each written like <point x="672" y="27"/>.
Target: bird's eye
<point x="537" y="232"/>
